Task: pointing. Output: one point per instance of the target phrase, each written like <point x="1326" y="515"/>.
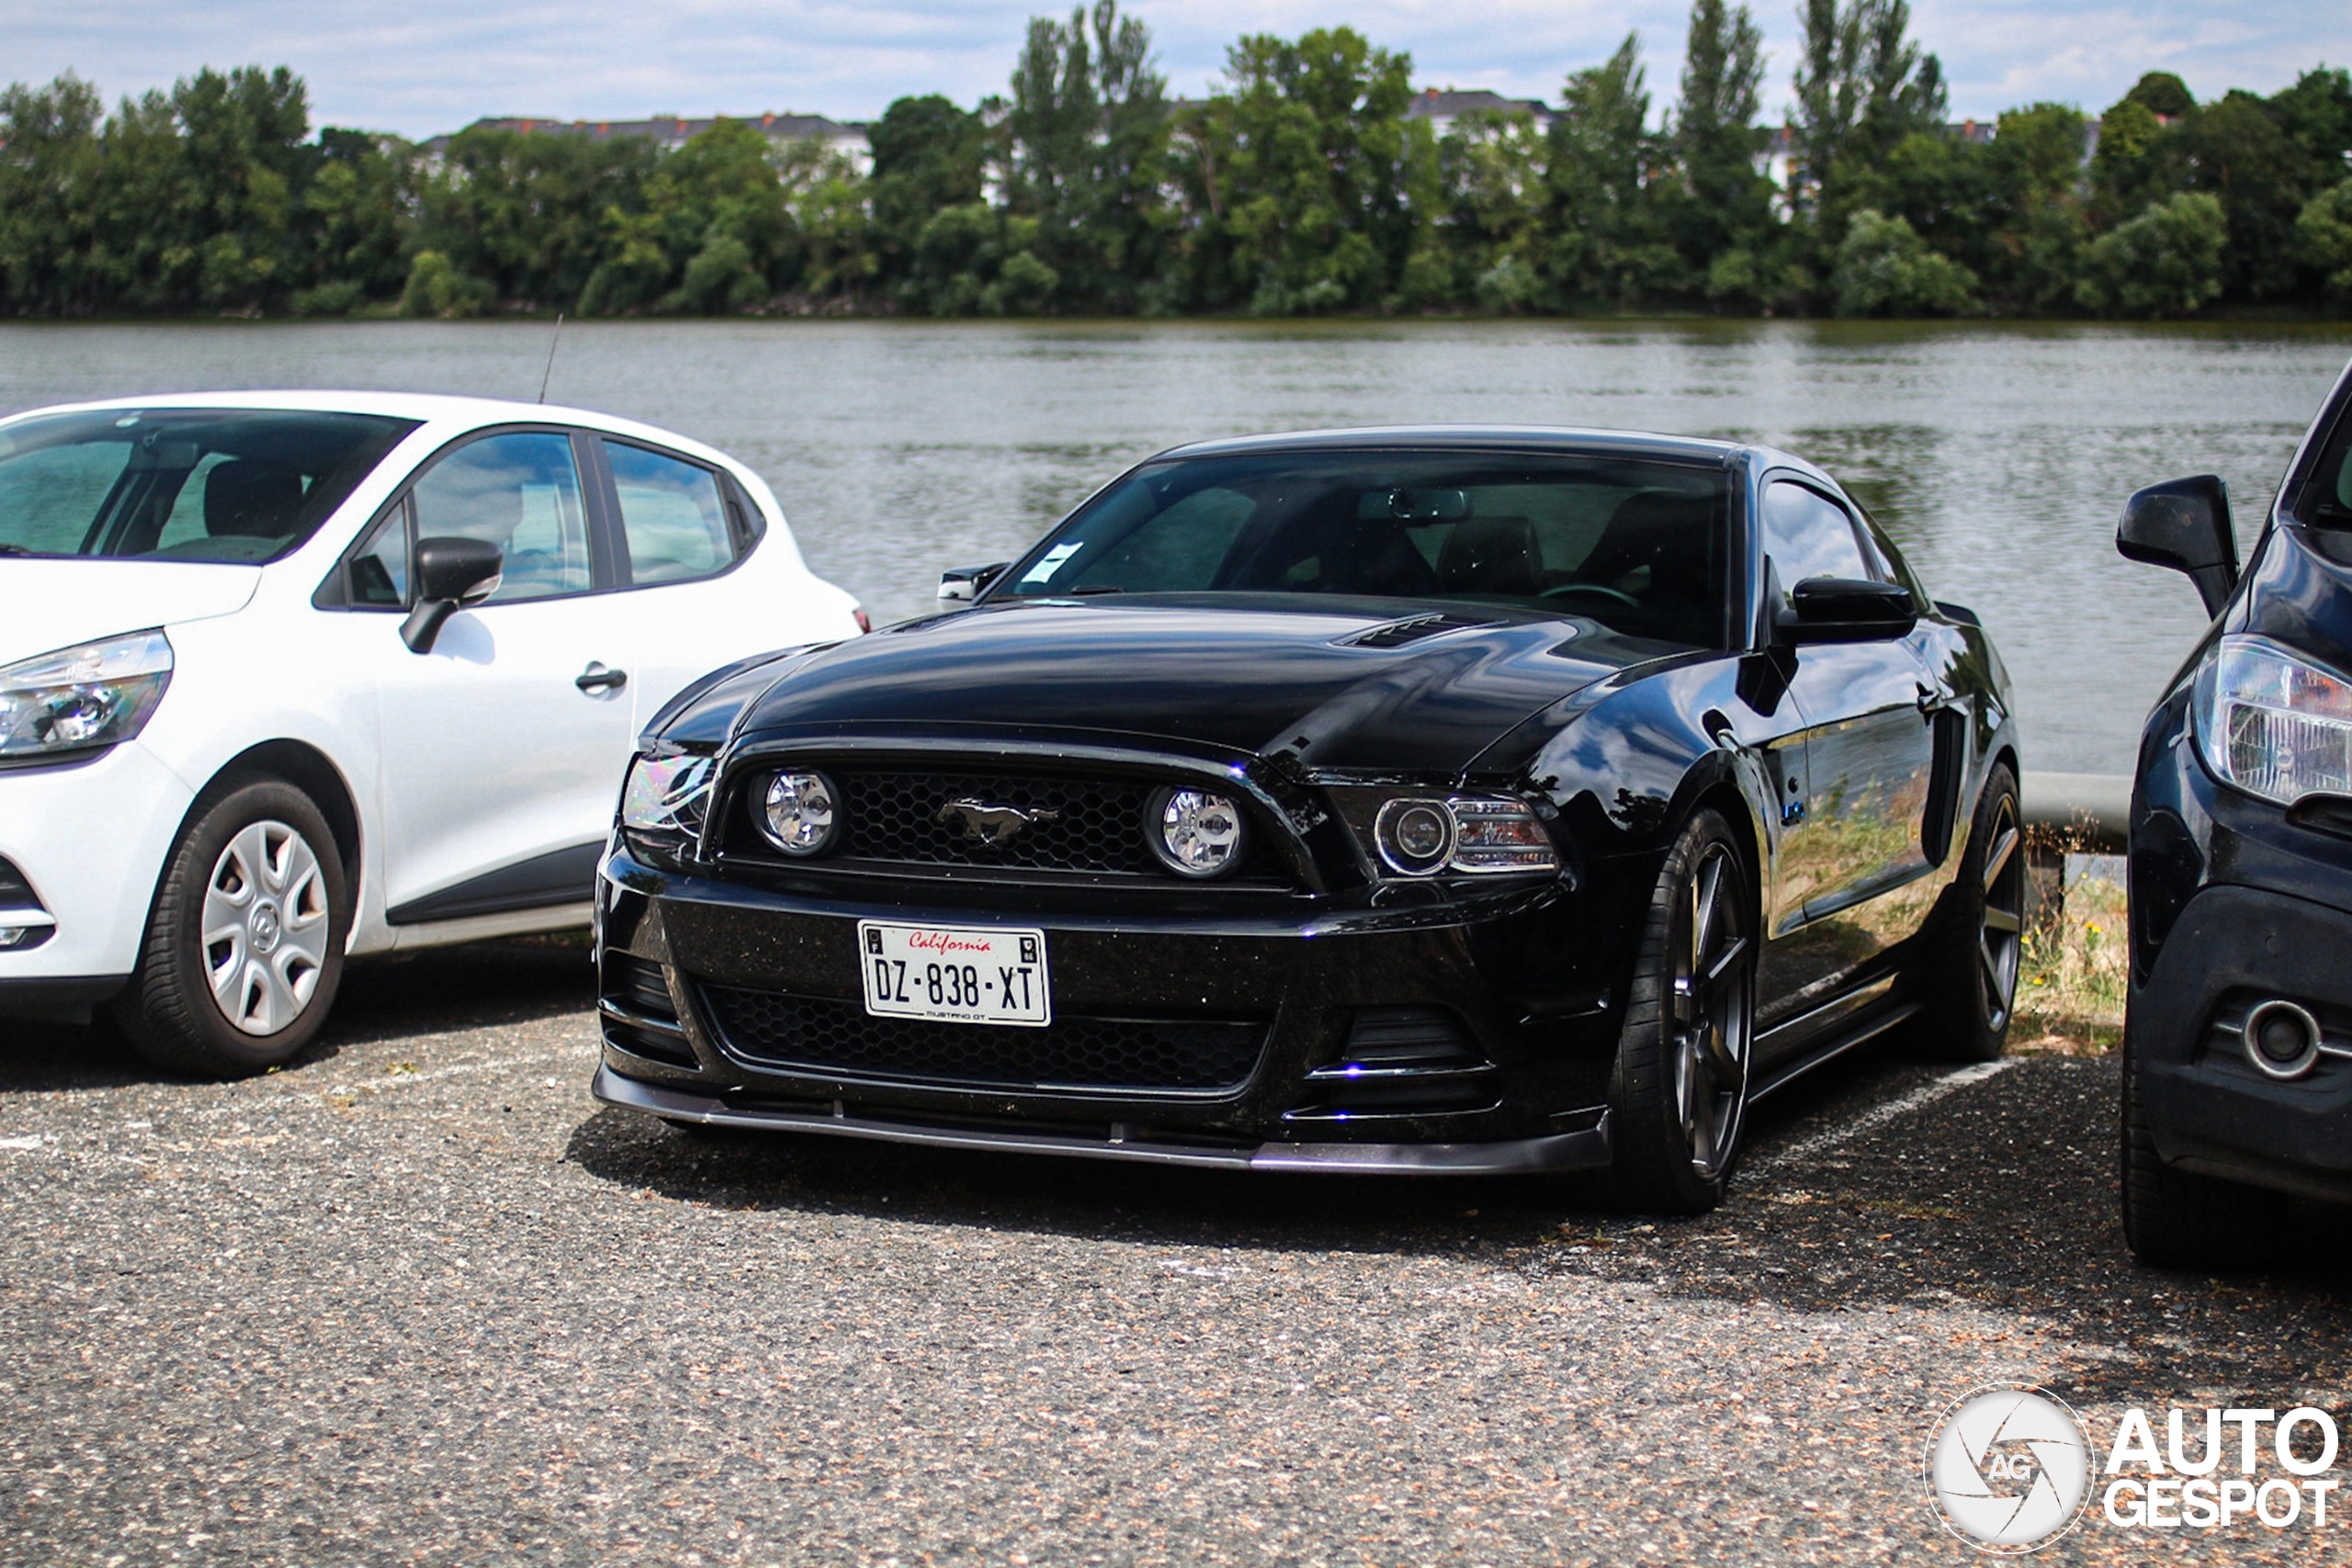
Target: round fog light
<point x="2282" y="1039"/>
<point x="798" y="813"/>
<point x="1415" y="835"/>
<point x="1194" y="833"/>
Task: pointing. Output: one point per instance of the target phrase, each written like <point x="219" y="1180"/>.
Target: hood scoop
<point x="1413" y="628"/>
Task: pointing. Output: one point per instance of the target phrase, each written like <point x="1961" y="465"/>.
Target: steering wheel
<point x="1601" y="590"/>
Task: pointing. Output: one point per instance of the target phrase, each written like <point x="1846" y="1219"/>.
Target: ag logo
<point x="2008" y="1468"/>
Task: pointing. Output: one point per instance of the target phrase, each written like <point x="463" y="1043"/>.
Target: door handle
<point x="596" y="678"/>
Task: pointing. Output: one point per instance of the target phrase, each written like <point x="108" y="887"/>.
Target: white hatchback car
<point x="296" y="676"/>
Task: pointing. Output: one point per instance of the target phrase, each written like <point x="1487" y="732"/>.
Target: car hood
<point x="48" y="604"/>
<point x="1206" y="674"/>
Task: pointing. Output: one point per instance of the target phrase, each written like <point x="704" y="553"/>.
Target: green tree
<point x="529" y="218"/>
<point x="1326" y="190"/>
<point x="1490" y="240"/>
<point x="1724" y="218"/>
<point x="357" y="213"/>
<point x="928" y="155"/>
<point x="1885" y="268"/>
<point x="1087" y="130"/>
<point x="1608" y="245"/>
<point x="52" y="173"/>
<point x="2167" y="262"/>
<point x="1862" y="87"/>
<point x="2324" y="234"/>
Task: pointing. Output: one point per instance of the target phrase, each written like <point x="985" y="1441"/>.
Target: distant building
<point x="672" y="131"/>
<point x="1442" y="108"/>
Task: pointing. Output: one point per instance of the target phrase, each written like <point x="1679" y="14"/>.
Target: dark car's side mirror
<point x="452" y="574"/>
<point x="963" y="584"/>
<point x="2185" y="524"/>
<point x="1846" y="609"/>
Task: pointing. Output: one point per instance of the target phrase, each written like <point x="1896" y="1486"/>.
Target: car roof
<point x="1567" y="439"/>
<point x="446" y="415"/>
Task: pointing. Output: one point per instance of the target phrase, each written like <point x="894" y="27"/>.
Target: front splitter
<point x="1586" y="1149"/>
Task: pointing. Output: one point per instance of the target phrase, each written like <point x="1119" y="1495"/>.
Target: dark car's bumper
<point x="709" y="990"/>
<point x="2232" y="905"/>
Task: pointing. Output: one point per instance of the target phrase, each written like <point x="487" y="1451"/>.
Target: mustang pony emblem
<point x="991" y="825"/>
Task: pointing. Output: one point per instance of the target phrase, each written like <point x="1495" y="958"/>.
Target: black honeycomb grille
<point x="1194" y="1055"/>
<point x="1077" y="823"/>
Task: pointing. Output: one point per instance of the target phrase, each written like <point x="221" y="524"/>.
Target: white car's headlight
<point x="100" y="693"/>
<point x="668" y="796"/>
<point x="1420" y="837"/>
<point x="2273" y="724"/>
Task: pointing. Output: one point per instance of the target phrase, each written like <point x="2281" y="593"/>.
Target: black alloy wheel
<point x="1973" y="984"/>
<point x="1679" y="1099"/>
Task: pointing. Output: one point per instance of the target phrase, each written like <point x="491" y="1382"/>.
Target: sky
<point x="423" y="66"/>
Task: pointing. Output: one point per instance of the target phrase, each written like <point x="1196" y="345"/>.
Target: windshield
<point x="1638" y="546"/>
<point x="181" y="484"/>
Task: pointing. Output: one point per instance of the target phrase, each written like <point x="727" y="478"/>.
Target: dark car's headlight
<point x="1195" y="832"/>
<point x="665" y="798"/>
<point x="2272" y="724"/>
<point x="797" y="813"/>
<point x="1420" y="836"/>
<point x="77" y="699"/>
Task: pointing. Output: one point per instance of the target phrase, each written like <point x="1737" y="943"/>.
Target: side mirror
<point x="452" y="574"/>
<point x="963" y="584"/>
<point x="1845" y="609"/>
<point x="2185" y="524"/>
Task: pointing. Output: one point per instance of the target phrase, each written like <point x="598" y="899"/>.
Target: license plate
<point x="958" y="973"/>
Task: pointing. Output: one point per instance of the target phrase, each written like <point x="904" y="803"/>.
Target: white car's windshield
<point x="181" y="484"/>
<point x="1638" y="545"/>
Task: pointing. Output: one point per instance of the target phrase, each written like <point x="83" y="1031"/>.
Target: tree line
<point x="1301" y="186"/>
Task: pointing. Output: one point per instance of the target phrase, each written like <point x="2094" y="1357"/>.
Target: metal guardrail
<point x="2091" y="810"/>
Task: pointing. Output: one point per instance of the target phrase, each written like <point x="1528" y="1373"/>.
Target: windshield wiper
<point x="13" y="550"/>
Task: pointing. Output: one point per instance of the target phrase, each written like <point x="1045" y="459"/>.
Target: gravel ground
<point x="419" y="1299"/>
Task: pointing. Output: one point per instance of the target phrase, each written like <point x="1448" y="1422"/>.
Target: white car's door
<point x="502" y="746"/>
<point x="695" y="602"/>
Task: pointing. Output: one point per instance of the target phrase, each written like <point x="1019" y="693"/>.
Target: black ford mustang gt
<point x="1393" y="800"/>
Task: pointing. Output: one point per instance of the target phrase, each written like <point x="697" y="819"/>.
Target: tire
<point x="244" y="945"/>
<point x="1678" y="1093"/>
<point x="1972" y="985"/>
<point x="2182" y="1219"/>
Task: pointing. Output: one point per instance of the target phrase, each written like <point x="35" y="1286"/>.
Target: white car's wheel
<point x="244" y="945"/>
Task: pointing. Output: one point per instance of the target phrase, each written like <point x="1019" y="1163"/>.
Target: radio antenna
<point x="552" y="341"/>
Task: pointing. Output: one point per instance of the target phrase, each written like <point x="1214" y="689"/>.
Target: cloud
<point x="432" y="66"/>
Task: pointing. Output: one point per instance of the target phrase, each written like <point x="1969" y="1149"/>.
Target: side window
<point x="380" y="571"/>
<point x="672" y="514"/>
<point x="1807" y="534"/>
<point x="521" y="493"/>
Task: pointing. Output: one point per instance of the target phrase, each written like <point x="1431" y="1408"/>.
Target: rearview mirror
<point x="452" y="574"/>
<point x="1845" y="609"/>
<point x="2185" y="524"/>
<point x="963" y="584"/>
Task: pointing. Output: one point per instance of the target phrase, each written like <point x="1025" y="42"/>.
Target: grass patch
<point x="2070" y="986"/>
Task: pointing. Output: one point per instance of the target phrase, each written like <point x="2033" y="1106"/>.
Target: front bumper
<point x="2232" y="904"/>
<point x="1585" y="1150"/>
<point x="90" y="839"/>
<point x="1521" y="979"/>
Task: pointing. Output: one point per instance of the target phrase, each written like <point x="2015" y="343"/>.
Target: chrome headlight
<point x="798" y="813"/>
<point x="1194" y="832"/>
<point x="100" y="693"/>
<point x="1478" y="834"/>
<point x="2273" y="724"/>
<point x="668" y="795"/>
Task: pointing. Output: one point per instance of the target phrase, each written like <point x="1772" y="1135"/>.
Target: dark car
<point x="2237" y="1081"/>
<point x="1397" y="800"/>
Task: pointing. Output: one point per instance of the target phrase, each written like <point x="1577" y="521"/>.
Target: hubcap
<point x="1709" y="1022"/>
<point x="265" y="928"/>
<point x="1999" y="945"/>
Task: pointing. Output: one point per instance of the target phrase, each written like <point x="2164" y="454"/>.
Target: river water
<point x="1996" y="455"/>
